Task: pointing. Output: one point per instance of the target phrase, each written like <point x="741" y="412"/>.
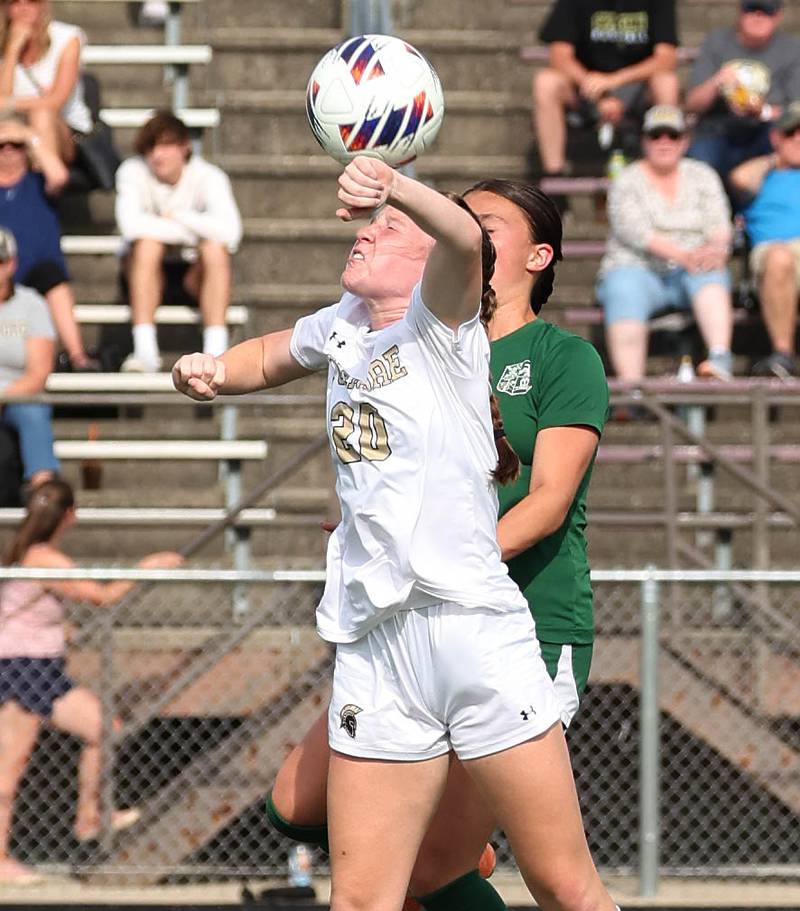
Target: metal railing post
<point x="649" y="748"/>
<point x="371" y="17"/>
<point x="108" y="700"/>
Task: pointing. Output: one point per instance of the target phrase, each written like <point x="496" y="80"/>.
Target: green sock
<point x="470" y="892"/>
<point x="308" y="835"/>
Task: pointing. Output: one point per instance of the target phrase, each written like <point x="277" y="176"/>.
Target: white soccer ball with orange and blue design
<point x="374" y="95"/>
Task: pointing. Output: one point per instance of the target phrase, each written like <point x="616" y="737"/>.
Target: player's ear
<point x="539" y="258"/>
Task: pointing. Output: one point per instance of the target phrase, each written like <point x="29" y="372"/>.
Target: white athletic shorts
<point x="441" y="678"/>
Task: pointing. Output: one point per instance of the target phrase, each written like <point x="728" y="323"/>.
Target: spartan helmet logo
<point x="348" y="718"/>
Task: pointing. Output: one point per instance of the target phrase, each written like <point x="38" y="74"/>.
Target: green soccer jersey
<point x="546" y="377"/>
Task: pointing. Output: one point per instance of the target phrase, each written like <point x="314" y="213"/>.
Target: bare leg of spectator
<point x="79" y="713"/>
<point x="61" y="301"/>
<point x="209" y="280"/>
<point x="627" y="348"/>
<point x="778" y="293"/>
<point x="552" y="95"/>
<point x="146" y="284"/>
<point x="714" y="313"/>
<point x="18" y="732"/>
<point x="665" y="88"/>
<point x="53" y="132"/>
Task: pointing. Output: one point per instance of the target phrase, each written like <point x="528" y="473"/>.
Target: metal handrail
<point x="259" y="576"/>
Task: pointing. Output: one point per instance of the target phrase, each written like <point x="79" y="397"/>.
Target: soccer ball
<point x="374" y="95"/>
<point x="751" y="86"/>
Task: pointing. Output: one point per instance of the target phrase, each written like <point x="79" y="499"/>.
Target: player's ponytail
<point x="507" y="468"/>
<point x="544" y="224"/>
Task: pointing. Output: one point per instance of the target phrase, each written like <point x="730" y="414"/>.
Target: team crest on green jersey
<point x="516" y="379"/>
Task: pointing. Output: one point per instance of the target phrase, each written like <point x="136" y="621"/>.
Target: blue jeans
<point x="723" y="153"/>
<point x="34" y="426"/>
<point x="634" y="292"/>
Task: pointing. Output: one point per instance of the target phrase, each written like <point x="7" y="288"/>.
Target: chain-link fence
<point x="686" y="749"/>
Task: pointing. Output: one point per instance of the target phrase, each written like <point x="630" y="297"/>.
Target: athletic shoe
<point x="134" y="364"/>
<point x="716" y="367"/>
<point x="780" y="365"/>
<point x="120" y="820"/>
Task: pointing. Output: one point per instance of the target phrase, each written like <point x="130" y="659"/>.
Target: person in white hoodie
<point x="172" y="205"/>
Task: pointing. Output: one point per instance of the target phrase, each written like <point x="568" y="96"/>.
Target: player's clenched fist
<point x="200" y="376"/>
<point x="364" y="185"/>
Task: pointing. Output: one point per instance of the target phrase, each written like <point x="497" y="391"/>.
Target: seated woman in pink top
<point x="34" y="687"/>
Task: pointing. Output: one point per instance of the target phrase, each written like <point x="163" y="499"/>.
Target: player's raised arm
<point x="451" y="282"/>
<point x="258" y="363"/>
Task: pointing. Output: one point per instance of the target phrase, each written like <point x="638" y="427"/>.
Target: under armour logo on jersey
<point x="348" y="718"/>
<point x="333" y="338"/>
<point x="516" y="379"/>
<point x="526" y="713"/>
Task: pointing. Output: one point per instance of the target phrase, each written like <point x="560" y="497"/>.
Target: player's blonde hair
<point x="41" y="35"/>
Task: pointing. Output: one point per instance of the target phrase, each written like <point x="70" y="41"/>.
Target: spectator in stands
<point x="742" y="79"/>
<point x="169" y="199"/>
<point x="773" y="225"/>
<point x="34" y="687"/>
<point x="40" y="73"/>
<point x="30" y="174"/>
<point x="607" y="58"/>
<point x="668" y="246"/>
<point x="27" y="354"/>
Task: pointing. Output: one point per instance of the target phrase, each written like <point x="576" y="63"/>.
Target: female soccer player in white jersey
<point x="435" y="644"/>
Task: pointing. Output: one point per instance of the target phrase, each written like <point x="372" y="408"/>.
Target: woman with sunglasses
<point x="668" y="248"/>
<point x="39" y="73"/>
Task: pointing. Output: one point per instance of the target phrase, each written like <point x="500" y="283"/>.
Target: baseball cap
<point x="8" y="245"/>
<point x="664" y="117"/>
<point x="763" y="6"/>
<point x="790" y="118"/>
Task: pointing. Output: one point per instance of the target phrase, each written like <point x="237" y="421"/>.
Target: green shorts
<point x="568" y="667"/>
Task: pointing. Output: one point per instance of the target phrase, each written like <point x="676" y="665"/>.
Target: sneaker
<point x="153" y="13"/>
<point x="780" y="365"/>
<point x="120" y="820"/>
<point x="716" y="367"/>
<point x="134" y="364"/>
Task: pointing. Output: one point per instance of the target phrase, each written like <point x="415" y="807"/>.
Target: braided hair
<point x="544" y="225"/>
<point x="507" y="468"/>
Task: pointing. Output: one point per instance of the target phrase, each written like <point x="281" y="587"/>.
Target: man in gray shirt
<point x="27" y="353"/>
<point x="744" y="76"/>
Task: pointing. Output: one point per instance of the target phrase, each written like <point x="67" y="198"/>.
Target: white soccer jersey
<point x="411" y="438"/>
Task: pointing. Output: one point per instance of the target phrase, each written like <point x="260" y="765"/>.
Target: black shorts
<point x="35" y="683"/>
<point x="44" y="276"/>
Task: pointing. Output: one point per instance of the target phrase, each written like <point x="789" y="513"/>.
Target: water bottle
<point x="300" y="865"/>
<point x="616" y="162"/>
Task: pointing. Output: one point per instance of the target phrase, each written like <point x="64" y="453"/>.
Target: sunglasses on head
<point x="759" y="8"/>
<point x="661" y="132"/>
<point x="11" y="144"/>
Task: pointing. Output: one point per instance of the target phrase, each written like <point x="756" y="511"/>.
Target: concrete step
<point x="475" y="123"/>
<point x="253" y="58"/>
<point x="314" y="14"/>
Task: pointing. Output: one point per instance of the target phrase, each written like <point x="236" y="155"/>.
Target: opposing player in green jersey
<point x="553" y="397"/>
